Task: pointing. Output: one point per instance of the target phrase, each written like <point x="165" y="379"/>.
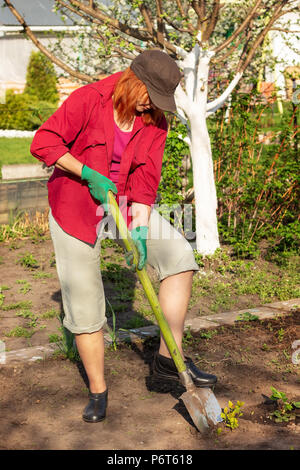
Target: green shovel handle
<point x="147" y="285"/>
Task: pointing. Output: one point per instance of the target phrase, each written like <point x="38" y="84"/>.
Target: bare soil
<point x="42" y="402"/>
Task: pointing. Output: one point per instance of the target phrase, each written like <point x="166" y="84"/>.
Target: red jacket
<point x="83" y="126"/>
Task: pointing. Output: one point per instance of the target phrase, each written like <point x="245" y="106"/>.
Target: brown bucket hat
<point x="161" y="75"/>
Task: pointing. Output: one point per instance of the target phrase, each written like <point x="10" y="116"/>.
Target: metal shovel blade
<point x="203" y="408"/>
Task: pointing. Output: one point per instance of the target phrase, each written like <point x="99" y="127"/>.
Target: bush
<point x="257" y="184"/>
<point x="170" y="187"/>
<point x="41" y="79"/>
<point x="24" y="112"/>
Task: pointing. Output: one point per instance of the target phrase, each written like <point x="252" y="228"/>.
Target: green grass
<point x="15" y="150"/>
<point x="226" y="282"/>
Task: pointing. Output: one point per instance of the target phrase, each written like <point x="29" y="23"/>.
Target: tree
<point x="41" y="78"/>
<point x="202" y="35"/>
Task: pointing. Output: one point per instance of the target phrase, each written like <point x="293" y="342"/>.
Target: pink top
<point x="121" y="140"/>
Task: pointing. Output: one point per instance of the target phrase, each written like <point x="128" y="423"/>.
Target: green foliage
<point x="231" y="414"/>
<point x="28" y="110"/>
<point x="112" y="332"/>
<point x="26" y="286"/>
<point x="24" y="112"/>
<point x="28" y="261"/>
<point x="170" y="188"/>
<point x="19" y="332"/>
<point x="41" y="79"/>
<point x="247" y="316"/>
<point x="284" y="411"/>
<point x="15" y="113"/>
<point x="257" y="184"/>
<point x="65" y="342"/>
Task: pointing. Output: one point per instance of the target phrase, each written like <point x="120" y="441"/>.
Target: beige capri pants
<point x="78" y="269"/>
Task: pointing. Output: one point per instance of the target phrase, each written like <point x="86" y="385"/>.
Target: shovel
<point x="201" y="403"/>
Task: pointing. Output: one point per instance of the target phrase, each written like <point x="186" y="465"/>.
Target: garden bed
<point x="42" y="402"/>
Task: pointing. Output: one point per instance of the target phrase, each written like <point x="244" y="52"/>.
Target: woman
<point x="110" y="135"/>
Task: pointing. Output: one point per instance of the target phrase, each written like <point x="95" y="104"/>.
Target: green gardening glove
<point x="139" y="237"/>
<point x="99" y="185"/>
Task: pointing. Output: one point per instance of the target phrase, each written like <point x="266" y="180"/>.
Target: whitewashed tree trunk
<point x="193" y="111"/>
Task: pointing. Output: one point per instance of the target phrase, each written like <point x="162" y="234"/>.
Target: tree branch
<point x="44" y="50"/>
<point x="160" y="23"/>
<point x="222" y="59"/>
<point x="190" y="27"/>
<point x="171" y="23"/>
<point x="213" y="21"/>
<point x="284" y="30"/>
<point x="107" y="20"/>
<point x="214" y="105"/>
<point x="245" y="23"/>
<point x="147" y="18"/>
<point x="262" y="36"/>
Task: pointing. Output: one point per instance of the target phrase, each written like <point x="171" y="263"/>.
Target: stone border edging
<point x="12" y="133"/>
<point x="272" y="310"/>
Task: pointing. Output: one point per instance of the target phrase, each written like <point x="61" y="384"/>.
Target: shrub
<point x="257" y="184"/>
<point x="171" y="185"/>
<point x="41" y="79"/>
<point x="24" y="112"/>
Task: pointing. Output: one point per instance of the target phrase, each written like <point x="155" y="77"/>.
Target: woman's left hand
<point x="139" y="237"/>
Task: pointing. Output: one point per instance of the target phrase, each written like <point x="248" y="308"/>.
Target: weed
<point x="66" y="344"/>
<point x="54" y="338"/>
<point x="284" y="412"/>
<point x="2" y="296"/>
<point x="30" y="316"/>
<point x="208" y="334"/>
<point x="109" y="243"/>
<point x="247" y="316"/>
<point x="187" y="338"/>
<point x="199" y="259"/>
<point x="26" y="286"/>
<point x="4" y="287"/>
<point x="223" y="296"/>
<point x="280" y="334"/>
<point x="231" y="414"/>
<point x="28" y="261"/>
<point x="50" y="314"/>
<point x="23" y="304"/>
<point x="41" y="275"/>
<point x="52" y="261"/>
<point x="286" y="355"/>
<point x="23" y="226"/>
<point x="112" y="332"/>
<point x="19" y="331"/>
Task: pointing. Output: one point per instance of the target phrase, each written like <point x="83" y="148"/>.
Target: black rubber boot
<point x="95" y="410"/>
<point x="164" y="368"/>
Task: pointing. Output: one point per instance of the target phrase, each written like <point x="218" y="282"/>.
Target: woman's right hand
<point x="98" y="184"/>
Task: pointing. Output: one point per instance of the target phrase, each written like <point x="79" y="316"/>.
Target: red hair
<point x="128" y="90"/>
